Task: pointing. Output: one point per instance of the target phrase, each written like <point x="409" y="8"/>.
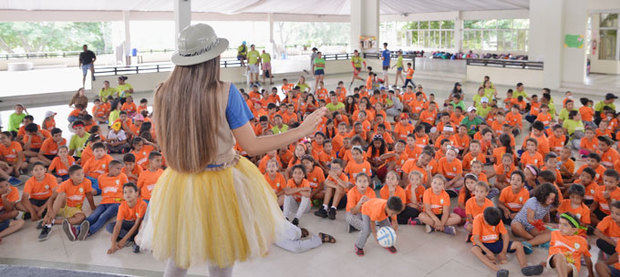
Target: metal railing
<point x="506" y="63"/>
<point x="64" y="54"/>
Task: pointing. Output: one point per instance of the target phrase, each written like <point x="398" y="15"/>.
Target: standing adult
<point x="356" y="62"/>
<point x="385" y="57"/>
<point x="399" y="68"/>
<point x="239" y="216"/>
<point x="253" y="62"/>
<point x="242" y="52"/>
<point x="87" y="62"/>
<point x="312" y="57"/>
<point x="319" y="69"/>
<point x="266" y="65"/>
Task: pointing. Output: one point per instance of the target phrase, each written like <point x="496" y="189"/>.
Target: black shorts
<point x="49" y="157"/>
<point x="38" y="202"/>
<point x="36" y="150"/>
<point x="599" y="214"/>
<point x="496" y="247"/>
<point x="5" y="224"/>
<point x="386" y="67"/>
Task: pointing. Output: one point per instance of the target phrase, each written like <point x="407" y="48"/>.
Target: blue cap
<point x="243" y="42"/>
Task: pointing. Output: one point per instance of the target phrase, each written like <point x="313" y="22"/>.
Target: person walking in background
<point x="319" y="69"/>
<point x="265" y="59"/>
<point x="253" y="62"/>
<point x="385" y="57"/>
<point x="312" y="57"/>
<point x="87" y="62"/>
<point x="242" y="52"/>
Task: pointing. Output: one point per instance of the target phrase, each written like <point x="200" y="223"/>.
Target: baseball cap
<point x="471" y="108"/>
<point x="50" y="113"/>
<point x="610" y="96"/>
<point x="484" y="100"/>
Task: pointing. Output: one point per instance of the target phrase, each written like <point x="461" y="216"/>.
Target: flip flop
<point x="327" y="238"/>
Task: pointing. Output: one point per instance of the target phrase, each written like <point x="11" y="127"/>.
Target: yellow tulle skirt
<point x="213" y="217"/>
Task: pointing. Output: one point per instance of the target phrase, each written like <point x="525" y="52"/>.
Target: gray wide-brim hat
<point x="197" y="44"/>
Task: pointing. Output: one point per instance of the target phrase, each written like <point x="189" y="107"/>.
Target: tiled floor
<point x="420" y="254"/>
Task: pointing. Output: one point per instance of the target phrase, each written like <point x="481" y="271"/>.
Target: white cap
<point x="49" y="113"/>
<point x="471" y="108"/>
<point x="484" y="100"/>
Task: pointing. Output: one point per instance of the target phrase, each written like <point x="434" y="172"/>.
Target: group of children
<point x="388" y="157"/>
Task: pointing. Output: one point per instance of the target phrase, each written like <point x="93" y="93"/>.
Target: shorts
<point x="266" y="66"/>
<point x="49" y="157"/>
<point x="599" y="214"/>
<point x="5" y="224"/>
<point x="496" y="247"/>
<point x="86" y="68"/>
<point x="319" y="72"/>
<point x="399" y="68"/>
<point x="550" y="266"/>
<point x="386" y="67"/>
<point x="36" y="150"/>
<point x="38" y="202"/>
<point x="614" y="271"/>
<point x="68" y="212"/>
<point x="240" y="57"/>
<point x="253" y="68"/>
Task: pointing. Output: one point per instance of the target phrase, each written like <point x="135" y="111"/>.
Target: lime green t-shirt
<point x="265" y="57"/>
<point x="399" y="62"/>
<point x="253" y="57"/>
<point x="78" y="143"/>
<point x="123" y="90"/>
<point x="241" y="50"/>
<point x="104" y="93"/>
<point x="564" y="114"/>
<point x="483" y="112"/>
<point x="303" y="87"/>
<point x="357" y="61"/>
<point x="572" y="126"/>
<point x="516" y="94"/>
<point x="601" y="105"/>
<point x="15" y="120"/>
<point x="319" y="63"/>
<point x="277" y="130"/>
<point x="334" y="107"/>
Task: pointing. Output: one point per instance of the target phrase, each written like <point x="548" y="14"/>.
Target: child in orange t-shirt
<point x="451" y="167"/>
<point x="574" y="205"/>
<point x="131" y="169"/>
<point x="476" y="205"/>
<point x="39" y="192"/>
<point x="512" y="198"/>
<point x="141" y="149"/>
<point x="297" y="190"/>
<point x="605" y="196"/>
<point x="470" y="180"/>
<point x="336" y="186"/>
<point x="356" y="197"/>
<point x="608" y="231"/>
<point x="376" y="211"/>
<point x="503" y="171"/>
<point x="68" y="204"/>
<point x="97" y="165"/>
<point x="437" y="214"/>
<point x="148" y="178"/>
<point x="490" y="238"/>
<point x="49" y="147"/>
<point x="567" y="248"/>
<point x="415" y="191"/>
<point x="128" y="219"/>
<point x="8" y="209"/>
<point x="129" y="106"/>
<point x="557" y="139"/>
<point x="392" y="188"/>
<point x="61" y="163"/>
<point x="531" y="156"/>
<point x="358" y="164"/>
<point x="275" y="179"/>
<point x="13" y="154"/>
<point x="315" y="177"/>
<point x="589" y="143"/>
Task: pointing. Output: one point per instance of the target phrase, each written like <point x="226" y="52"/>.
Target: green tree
<point x="31" y="37"/>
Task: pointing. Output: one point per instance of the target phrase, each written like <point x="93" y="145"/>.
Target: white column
<point x="574" y="23"/>
<point x="364" y="22"/>
<point x="182" y="16"/>
<point x="458" y="32"/>
<point x="127" y="42"/>
<point x="271" y="47"/>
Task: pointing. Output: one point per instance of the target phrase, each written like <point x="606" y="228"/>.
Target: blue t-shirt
<point x="386" y="57"/>
<point x="237" y="111"/>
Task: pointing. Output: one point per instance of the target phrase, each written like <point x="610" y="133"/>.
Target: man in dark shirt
<point x="87" y="60"/>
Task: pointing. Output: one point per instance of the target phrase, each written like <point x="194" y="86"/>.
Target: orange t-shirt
<point x="545" y="118"/>
<point x="582" y="213"/>
<point x="60" y="167"/>
<point x="532" y="159"/>
<point x="436" y="201"/>
<point x="10" y="153"/>
<point x="137" y="170"/>
<point x="36" y="141"/>
<point x="41" y="190"/>
<point x="514" y="119"/>
<point x="398" y="191"/>
<point x="50" y="147"/>
<point x="129" y="107"/>
<point x="87" y="154"/>
<point x="316" y="178"/>
<point x="609" y="227"/>
<point x="353" y="168"/>
<point x="556" y="143"/>
<point x="602" y="202"/>
<point x="75" y="194"/>
<point x="147" y="181"/>
<point x="486" y="232"/>
<point x="573" y="247"/>
<point x="99" y="111"/>
<point x="96" y="167"/>
<point x="450" y="169"/>
<point x="468" y="158"/>
<point x="587" y="113"/>
<point x="276" y="183"/>
<point x="428" y="116"/>
<point x="131" y="213"/>
<point x="354" y="196"/>
<point x="589" y="144"/>
<point x="418" y="193"/>
<point x="291" y="184"/>
<point x="472" y="208"/>
<point x="512" y="201"/>
<point x="609" y="157"/>
<point x="142" y="155"/>
<point x="112" y="188"/>
<point x="13" y="196"/>
<point x="262" y="164"/>
<point x="375" y="209"/>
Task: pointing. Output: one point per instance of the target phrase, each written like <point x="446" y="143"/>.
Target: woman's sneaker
<point x="84" y="228"/>
<point x="332" y="213"/>
<point x="450" y="230"/>
<point x="69" y="229"/>
<point x="322" y="213"/>
<point x="359" y="251"/>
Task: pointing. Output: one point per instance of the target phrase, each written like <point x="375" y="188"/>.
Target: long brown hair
<point x="185" y="115"/>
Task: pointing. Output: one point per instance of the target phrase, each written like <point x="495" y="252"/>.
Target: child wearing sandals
<point x="528" y="223"/>
<point x="491" y="243"/>
<point x="375" y="212"/>
<point x="356" y="197"/>
<point x="567" y="248"/>
<point x="295" y="239"/>
<point x="437" y="214"/>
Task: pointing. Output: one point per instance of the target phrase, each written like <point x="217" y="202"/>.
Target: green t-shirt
<point x="483" y="112"/>
<point x="564" y="114"/>
<point x="265" y="57"/>
<point x="303" y="87"/>
<point x="477" y="98"/>
<point x="15" y="120"/>
<point x="572" y="126"/>
<point x="334" y="107"/>
<point x="277" y="130"/>
<point x="114" y="115"/>
<point x="490" y="93"/>
<point x="241" y="50"/>
<point x="78" y="143"/>
<point x="517" y="93"/>
<point x="460" y="104"/>
<point x="104" y="93"/>
<point x="399" y="62"/>
<point x="123" y="90"/>
<point x="600" y="105"/>
<point x="357" y="61"/>
<point x="253" y="57"/>
<point x="471" y="124"/>
<point x="319" y="63"/>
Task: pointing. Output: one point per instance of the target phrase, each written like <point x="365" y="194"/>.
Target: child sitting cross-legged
<point x="437" y="214"/>
<point x="376" y="211"/>
<point x="8" y="212"/>
<point x="567" y="248"/>
<point x="148" y="178"/>
<point x="491" y="243"/>
<point x="336" y="186"/>
<point x="130" y="215"/>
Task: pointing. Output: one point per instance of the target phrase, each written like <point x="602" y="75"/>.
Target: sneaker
<point x="40" y="224"/>
<point x="322" y="213"/>
<point x="527" y="247"/>
<point x="45" y="233"/>
<point x="392" y="249"/>
<point x="295" y="222"/>
<point x="27" y="216"/>
<point x="428" y="228"/>
<point x="332" y="213"/>
<point x="359" y="251"/>
<point x="468" y="238"/>
<point x="70" y="230"/>
<point x="84" y="227"/>
<point x="532" y="270"/>
<point x="502" y="273"/>
<point x="136" y="248"/>
<point x="414" y="222"/>
<point x="14" y="181"/>
<point x="450" y="230"/>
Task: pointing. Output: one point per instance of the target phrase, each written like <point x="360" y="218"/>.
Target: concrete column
<point x="364" y="22"/>
<point x="127" y="42"/>
<point x="458" y="32"/>
<point x="271" y="47"/>
<point x="182" y="16"/>
<point x="574" y="59"/>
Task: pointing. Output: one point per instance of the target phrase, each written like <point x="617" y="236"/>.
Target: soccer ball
<point x="386" y="236"/>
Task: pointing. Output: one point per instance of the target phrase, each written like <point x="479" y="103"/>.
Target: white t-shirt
<point x="119" y="136"/>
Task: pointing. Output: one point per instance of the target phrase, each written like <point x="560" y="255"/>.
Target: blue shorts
<point x="319" y="72"/>
<point x="496" y="247"/>
<point x="614" y="272"/>
<point x="5" y="224"/>
<point x="86" y="68"/>
<point x="399" y="68"/>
